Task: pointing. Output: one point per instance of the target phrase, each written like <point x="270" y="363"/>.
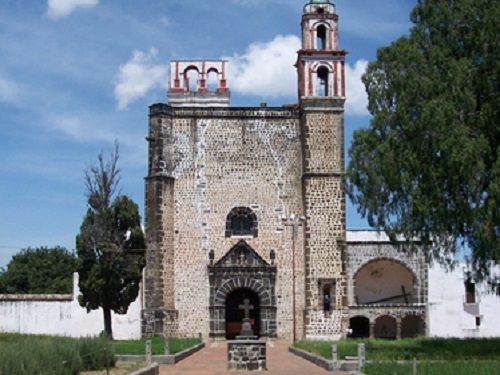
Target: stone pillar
<point x="159" y="317"/>
<point x="361" y="356"/>
<point x="149" y="352"/>
<point x="335" y="361"/>
<point x="372" y="329"/>
<point x="398" y="328"/>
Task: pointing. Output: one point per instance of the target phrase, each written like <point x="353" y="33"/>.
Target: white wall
<point x="63" y="316"/>
<point x="449" y="316"/>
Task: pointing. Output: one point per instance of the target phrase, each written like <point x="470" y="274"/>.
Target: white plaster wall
<point x="447" y="312"/>
<point x="66" y="318"/>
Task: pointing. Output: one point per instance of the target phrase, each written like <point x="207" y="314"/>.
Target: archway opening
<point x="412" y="326"/>
<point x="321" y="37"/>
<point x="384" y="282"/>
<point x="385" y="327"/>
<point x="360" y="326"/>
<point x="191" y="75"/>
<point x="235" y="312"/>
<point x="322" y="81"/>
<point x="212" y="80"/>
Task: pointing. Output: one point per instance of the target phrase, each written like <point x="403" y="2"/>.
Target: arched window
<point x="241" y="221"/>
<point x="321" y="37"/>
<point x="212" y="80"/>
<point x="322" y="81"/>
<point x="191" y="76"/>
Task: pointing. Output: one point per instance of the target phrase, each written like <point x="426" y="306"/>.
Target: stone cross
<point x="247" y="307"/>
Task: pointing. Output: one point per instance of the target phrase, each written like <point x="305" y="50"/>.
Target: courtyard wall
<point x="62" y="315"/>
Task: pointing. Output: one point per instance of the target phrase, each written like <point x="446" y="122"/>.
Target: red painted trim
<point x="176" y="80"/>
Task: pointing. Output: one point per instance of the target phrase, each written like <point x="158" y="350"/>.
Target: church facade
<point x="248" y="203"/>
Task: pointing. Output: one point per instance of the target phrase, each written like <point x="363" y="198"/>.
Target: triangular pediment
<point x="242" y="255"/>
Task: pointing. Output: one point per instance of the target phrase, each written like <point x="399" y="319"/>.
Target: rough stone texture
<point x="249" y="355"/>
<point x="279" y="162"/>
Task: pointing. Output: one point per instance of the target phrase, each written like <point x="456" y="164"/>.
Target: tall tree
<point x="39" y="270"/>
<point x="110" y="245"/>
<point x="428" y="166"/>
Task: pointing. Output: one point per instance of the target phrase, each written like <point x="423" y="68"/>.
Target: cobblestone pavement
<point x="212" y="360"/>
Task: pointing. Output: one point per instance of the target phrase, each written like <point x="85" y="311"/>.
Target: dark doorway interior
<point x="235" y="314"/>
<point x="360" y="326"/>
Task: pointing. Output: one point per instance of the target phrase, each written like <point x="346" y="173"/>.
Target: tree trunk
<point x="107" y="322"/>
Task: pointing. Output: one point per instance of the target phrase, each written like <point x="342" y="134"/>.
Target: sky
<point x="76" y="75"/>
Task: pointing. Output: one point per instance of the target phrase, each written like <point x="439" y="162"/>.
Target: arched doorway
<point x="385" y="327"/>
<point x="235" y="312"/>
<point x="360" y="326"/>
<point x="412" y="326"/>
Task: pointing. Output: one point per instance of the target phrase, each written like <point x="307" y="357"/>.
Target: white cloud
<point x="9" y="91"/>
<point x="357" y="101"/>
<point x="63" y="8"/>
<point x="266" y="69"/>
<point x="139" y="75"/>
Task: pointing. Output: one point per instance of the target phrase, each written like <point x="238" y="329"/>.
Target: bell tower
<point x="321" y="76"/>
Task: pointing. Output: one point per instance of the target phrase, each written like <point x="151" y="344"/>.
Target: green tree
<point x="428" y="166"/>
<point x="110" y="245"/>
<point x="40" y="270"/>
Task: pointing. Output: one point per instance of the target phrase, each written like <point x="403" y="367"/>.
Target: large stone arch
<point x="238" y="282"/>
<point x="408" y="279"/>
<point x="242" y="268"/>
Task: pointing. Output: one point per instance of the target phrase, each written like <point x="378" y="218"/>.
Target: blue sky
<point x="77" y="74"/>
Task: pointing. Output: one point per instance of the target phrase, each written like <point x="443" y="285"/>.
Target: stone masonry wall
<point x="324" y="203"/>
<point x="220" y="159"/>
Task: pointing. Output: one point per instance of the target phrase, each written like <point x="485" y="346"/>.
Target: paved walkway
<point x="212" y="360"/>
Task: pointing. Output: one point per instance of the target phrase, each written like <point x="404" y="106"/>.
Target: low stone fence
<point x="153" y="369"/>
<point x="166" y="359"/>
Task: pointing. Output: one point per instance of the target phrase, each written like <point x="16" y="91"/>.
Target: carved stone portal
<point x="242" y="268"/>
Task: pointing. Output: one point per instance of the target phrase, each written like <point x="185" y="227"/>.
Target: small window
<point x="321" y="37"/>
<point x="322" y="81"/>
<point x="478" y="321"/>
<point x="470" y="291"/>
<point x="327" y="298"/>
<point x="241" y="221"/>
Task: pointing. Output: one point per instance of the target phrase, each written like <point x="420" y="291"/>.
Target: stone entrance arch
<point x="235" y="313"/>
<point x="242" y="269"/>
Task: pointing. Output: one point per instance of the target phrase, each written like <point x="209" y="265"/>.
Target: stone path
<point x="212" y="360"/>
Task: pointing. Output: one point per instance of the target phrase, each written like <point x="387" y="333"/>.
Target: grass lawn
<point x="472" y="367"/>
<point x="406" y="349"/>
<point x="139" y="346"/>
<point x="44" y="355"/>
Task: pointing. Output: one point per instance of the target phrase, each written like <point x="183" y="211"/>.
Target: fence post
<point x="361" y="356"/>
<point x="166" y="346"/>
<point x="149" y="353"/>
<point x="414" y="366"/>
<point x="106" y="360"/>
<point x="335" y="363"/>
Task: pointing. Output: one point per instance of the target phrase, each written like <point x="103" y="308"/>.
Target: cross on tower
<point x="247" y="307"/>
